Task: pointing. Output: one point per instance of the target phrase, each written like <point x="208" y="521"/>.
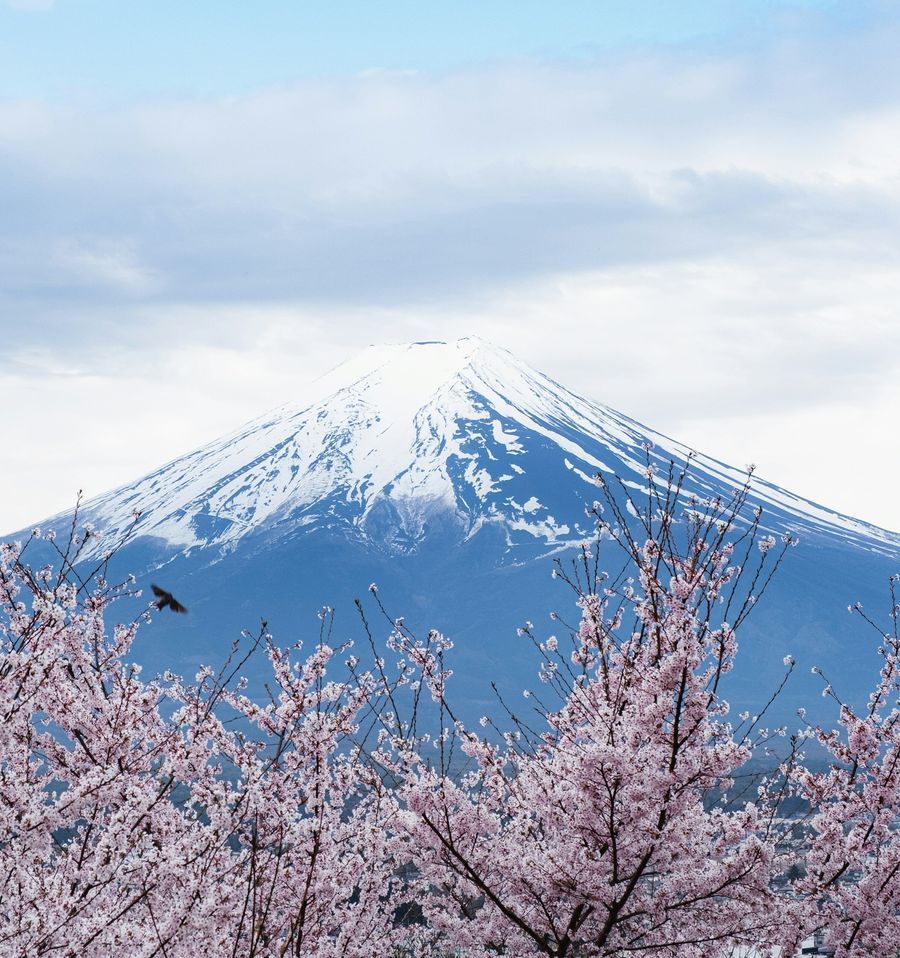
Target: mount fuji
<point x="451" y="473"/>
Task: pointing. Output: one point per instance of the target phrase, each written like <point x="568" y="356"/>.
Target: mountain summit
<point x="448" y="473"/>
<point x="402" y="443"/>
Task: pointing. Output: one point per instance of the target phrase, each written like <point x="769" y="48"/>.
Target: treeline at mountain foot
<point x="345" y="809"/>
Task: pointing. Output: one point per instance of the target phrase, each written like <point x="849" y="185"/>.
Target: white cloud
<point x="105" y="264"/>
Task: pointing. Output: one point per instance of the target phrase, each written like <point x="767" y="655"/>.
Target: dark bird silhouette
<point x="164" y="599"/>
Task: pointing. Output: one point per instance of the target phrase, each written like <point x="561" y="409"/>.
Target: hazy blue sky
<point x="689" y="211"/>
<point x="115" y="51"/>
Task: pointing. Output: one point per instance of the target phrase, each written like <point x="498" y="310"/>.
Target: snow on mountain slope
<point x="404" y="439"/>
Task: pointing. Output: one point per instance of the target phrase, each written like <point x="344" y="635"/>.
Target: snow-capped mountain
<point x="448" y="472"/>
<point x="402" y="440"/>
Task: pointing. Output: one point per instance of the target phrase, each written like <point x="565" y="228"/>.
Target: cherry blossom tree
<point x="852" y="879"/>
<point x="135" y="819"/>
<point x="593" y="829"/>
<point x="161" y="816"/>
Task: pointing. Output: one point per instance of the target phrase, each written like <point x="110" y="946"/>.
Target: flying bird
<point x="164" y="599"/>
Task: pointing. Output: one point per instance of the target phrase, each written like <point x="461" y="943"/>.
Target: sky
<point x="688" y="211"/>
